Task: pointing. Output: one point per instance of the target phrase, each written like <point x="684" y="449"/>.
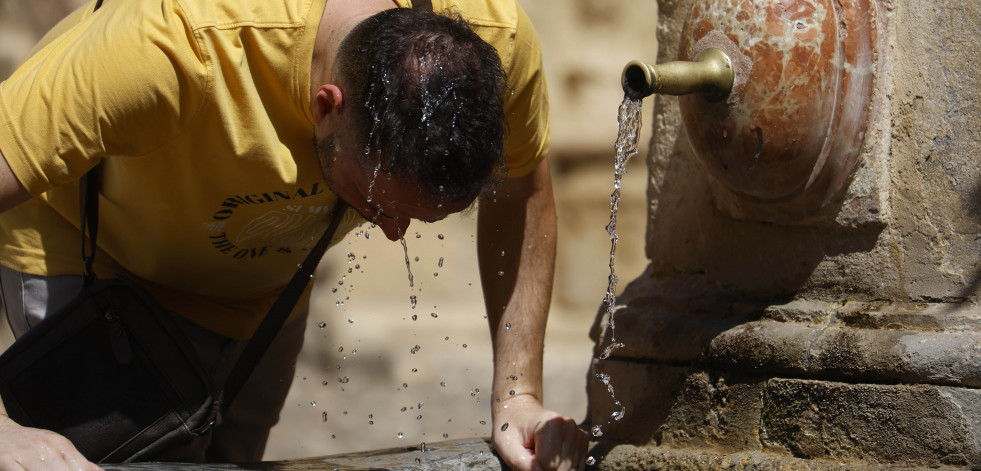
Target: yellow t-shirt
<point x="199" y="112"/>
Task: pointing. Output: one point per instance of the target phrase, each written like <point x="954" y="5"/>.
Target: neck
<point x="339" y="18"/>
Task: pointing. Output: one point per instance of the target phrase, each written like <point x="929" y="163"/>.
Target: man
<point x="200" y="116"/>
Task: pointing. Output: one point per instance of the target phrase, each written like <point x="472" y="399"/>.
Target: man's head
<point x="420" y="133"/>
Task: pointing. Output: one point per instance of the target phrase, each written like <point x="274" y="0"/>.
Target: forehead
<point x="375" y="192"/>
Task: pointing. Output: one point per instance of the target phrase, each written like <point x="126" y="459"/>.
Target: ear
<point x="327" y="103"/>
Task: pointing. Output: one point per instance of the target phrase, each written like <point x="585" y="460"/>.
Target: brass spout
<point x="711" y="73"/>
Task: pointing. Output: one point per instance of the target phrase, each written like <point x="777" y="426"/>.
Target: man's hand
<point x="530" y="438"/>
<point x="23" y="448"/>
<point x="516" y="246"/>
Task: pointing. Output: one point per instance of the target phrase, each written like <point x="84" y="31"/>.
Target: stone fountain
<point x="814" y="236"/>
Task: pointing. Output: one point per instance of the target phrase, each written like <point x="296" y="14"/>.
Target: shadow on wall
<point x="973" y="290"/>
<point x="704" y="252"/>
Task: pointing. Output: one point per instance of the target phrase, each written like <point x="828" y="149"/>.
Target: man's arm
<point x="22" y="447"/>
<point x="516" y="248"/>
<point x="12" y="192"/>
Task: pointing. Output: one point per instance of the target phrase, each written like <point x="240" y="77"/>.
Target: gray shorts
<point x="27" y="299"/>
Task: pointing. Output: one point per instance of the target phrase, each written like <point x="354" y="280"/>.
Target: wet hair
<point x="425" y="98"/>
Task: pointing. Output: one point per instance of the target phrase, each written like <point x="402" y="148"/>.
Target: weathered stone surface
<point x="916" y="425"/>
<point x="715" y="412"/>
<point x="837" y="352"/>
<point x="630" y="458"/>
<point x="472" y="454"/>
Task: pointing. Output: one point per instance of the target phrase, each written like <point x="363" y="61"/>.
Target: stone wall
<point x="850" y="335"/>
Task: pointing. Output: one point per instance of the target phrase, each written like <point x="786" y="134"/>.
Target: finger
<point x="581" y="447"/>
<point x="512" y="449"/>
<point x="548" y="445"/>
<point x="63" y="453"/>
<point x="570" y="449"/>
<point x="7" y="464"/>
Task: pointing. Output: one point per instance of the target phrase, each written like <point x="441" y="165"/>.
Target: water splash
<point x="405" y="250"/>
<point x="371" y="184"/>
<point x="629" y="118"/>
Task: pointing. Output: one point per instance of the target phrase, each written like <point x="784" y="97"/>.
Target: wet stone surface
<point x="470" y="454"/>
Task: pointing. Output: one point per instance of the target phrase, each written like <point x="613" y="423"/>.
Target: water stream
<point x="629" y="119"/>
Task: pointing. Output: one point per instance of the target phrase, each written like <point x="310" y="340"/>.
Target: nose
<point x="393" y="228"/>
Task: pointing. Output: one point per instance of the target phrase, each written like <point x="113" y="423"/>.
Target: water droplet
<point x="371" y="416"/>
<point x="440" y="263"/>
<point x="618" y="415"/>
<point x="405" y="385"/>
<point x="415" y="349"/>
<point x="442" y="383"/>
<point x="313" y="403"/>
<point x="419" y="417"/>
<point x="324" y="416"/>
<point x="343" y="380"/>
<point x="446" y="435"/>
<point x="412" y="300"/>
<point x="322" y="325"/>
<point x="399" y="435"/>
<point x="439" y="236"/>
<point x="464" y="345"/>
<point x="590" y="461"/>
<point x="404" y="408"/>
<point x="419" y="406"/>
<point x="350" y="321"/>
<point x="333" y="290"/>
<point x="351" y="256"/>
<point x="504" y="427"/>
<point x="414" y="370"/>
<point x="507" y="326"/>
<point x="597" y="431"/>
<point x="434" y="315"/>
<point x="511" y="392"/>
<point x="340" y="349"/>
<point x="483" y="422"/>
<point x="414" y="317"/>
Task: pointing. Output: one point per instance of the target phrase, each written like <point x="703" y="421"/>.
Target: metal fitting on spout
<point x="711" y="73"/>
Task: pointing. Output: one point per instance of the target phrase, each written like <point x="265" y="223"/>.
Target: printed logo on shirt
<point x="290" y="223"/>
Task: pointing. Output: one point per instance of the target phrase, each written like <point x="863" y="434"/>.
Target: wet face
<point x="382" y="199"/>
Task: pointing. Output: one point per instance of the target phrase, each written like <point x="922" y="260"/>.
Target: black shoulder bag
<point x="113" y="373"/>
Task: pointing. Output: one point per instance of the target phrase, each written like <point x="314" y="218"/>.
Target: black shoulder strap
<point x="279" y="312"/>
<point x="426" y="5"/>
<point x="88" y="198"/>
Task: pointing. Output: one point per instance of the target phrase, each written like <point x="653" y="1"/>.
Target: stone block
<point x="715" y="412"/>
<point x="910" y="425"/>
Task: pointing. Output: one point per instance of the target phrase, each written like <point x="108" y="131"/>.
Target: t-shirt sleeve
<point x="526" y="108"/>
<point x="127" y="77"/>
